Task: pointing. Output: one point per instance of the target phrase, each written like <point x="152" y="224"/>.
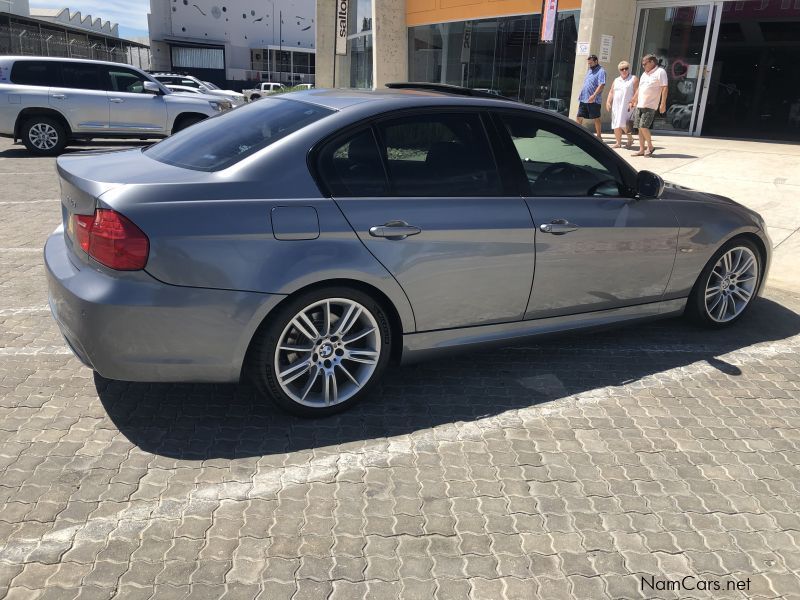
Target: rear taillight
<point x="112" y="240"/>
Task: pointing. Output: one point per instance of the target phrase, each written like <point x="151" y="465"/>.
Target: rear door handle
<point x="116" y="100"/>
<point x="394" y="230"/>
<point x="60" y="96"/>
<point x="558" y="227"/>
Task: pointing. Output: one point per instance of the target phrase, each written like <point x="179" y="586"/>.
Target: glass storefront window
<point x="360" y="51"/>
<point x="502" y="56"/>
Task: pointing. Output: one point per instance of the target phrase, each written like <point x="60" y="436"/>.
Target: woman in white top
<point x="622" y="91"/>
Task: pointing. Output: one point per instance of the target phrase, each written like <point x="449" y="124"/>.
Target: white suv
<point x="204" y="87"/>
<point x="47" y="102"/>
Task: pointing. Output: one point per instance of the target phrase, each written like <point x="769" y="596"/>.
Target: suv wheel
<point x="44" y="136"/>
<point x="187" y="122"/>
<point x="727" y="285"/>
<point x="322" y="352"/>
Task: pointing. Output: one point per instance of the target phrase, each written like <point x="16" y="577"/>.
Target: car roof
<point x="342" y="99"/>
<point x="75" y="60"/>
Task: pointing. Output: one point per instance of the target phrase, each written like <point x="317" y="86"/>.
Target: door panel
<point x="82" y="97"/>
<point x="471" y="264"/>
<point x="621" y="253"/>
<point x="131" y="109"/>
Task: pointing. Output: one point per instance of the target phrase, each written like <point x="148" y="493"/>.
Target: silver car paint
<point x="213" y="245"/>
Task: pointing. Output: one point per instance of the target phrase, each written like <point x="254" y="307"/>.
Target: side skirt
<point x="418" y="346"/>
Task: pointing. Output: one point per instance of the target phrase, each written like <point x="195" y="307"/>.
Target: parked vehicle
<point x="264" y="89"/>
<point x="384" y="226"/>
<point x="182" y="89"/>
<point x="305" y="86"/>
<point x="49" y="102"/>
<point x="235" y="98"/>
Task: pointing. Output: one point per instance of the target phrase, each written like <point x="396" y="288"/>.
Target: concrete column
<point x="603" y="17"/>
<point x="390" y="42"/>
<point x="325" y="44"/>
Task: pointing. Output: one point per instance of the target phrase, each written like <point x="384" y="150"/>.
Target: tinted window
<point x="352" y="167"/>
<point x="228" y="138"/>
<point x="439" y="155"/>
<point x="83" y="76"/>
<point x="189" y="83"/>
<point x="125" y="80"/>
<point x="35" y="72"/>
<point x="555" y="164"/>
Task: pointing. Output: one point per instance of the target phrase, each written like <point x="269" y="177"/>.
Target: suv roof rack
<point x="447" y="89"/>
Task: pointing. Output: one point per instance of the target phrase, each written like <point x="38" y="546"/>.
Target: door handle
<point x="558" y="227"/>
<point x="394" y="230"/>
<point x="116" y="100"/>
<point x="60" y="96"/>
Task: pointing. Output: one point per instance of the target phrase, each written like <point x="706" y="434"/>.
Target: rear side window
<point x="228" y="138"/>
<point x="82" y="76"/>
<point x="439" y="155"/>
<point x="36" y="72"/>
<point x="351" y="167"/>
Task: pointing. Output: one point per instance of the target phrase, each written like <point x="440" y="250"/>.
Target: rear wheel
<point x="44" y="136"/>
<point x="322" y="352"/>
<point x="727" y="285"/>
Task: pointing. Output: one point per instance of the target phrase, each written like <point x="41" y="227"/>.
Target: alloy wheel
<point x="731" y="284"/>
<point x="328" y="352"/>
<point x="43" y="136"/>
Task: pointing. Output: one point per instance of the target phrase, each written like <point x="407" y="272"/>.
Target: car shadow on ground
<point x="204" y="421"/>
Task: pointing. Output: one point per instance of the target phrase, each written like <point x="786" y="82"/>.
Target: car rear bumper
<point x="135" y="328"/>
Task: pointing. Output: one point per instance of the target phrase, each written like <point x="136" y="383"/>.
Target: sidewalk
<point x="764" y="176"/>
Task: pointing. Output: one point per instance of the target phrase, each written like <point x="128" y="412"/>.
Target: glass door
<point x="679" y="36"/>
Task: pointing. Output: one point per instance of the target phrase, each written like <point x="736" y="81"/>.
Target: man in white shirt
<point x="649" y="97"/>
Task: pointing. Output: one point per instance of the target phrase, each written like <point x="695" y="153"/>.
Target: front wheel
<point x="727" y="285"/>
<point x="322" y="351"/>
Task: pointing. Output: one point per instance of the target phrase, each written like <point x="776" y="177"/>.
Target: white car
<point x="264" y="89"/>
<point x="49" y="102"/>
<point x="304" y="86"/>
<point x="204" y="87"/>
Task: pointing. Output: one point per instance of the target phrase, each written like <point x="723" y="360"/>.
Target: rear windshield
<point x="228" y="138"/>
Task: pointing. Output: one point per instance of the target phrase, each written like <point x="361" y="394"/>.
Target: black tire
<point x="185" y="122"/>
<point x="696" y="309"/>
<point x="262" y="358"/>
<point x="36" y="144"/>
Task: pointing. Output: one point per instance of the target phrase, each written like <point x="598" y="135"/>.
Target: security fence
<point x="31" y="41"/>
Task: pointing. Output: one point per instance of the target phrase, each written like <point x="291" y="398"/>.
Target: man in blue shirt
<point x="592" y="94"/>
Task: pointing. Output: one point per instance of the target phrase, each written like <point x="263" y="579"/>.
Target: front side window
<point x="35" y="72"/>
<point x="124" y="80"/>
<point x="439" y="155"/>
<point x="189" y="83"/>
<point x="82" y="76"/>
<point x="352" y="167"/>
<point x="230" y="137"/>
<point x="554" y="164"/>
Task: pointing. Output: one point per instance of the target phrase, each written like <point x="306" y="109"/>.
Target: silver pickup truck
<point x="48" y="102"/>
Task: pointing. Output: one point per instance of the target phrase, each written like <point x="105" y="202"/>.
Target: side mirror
<point x="649" y="185"/>
<point x="151" y="87"/>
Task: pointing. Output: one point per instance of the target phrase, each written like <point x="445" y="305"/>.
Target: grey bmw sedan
<point x="309" y="240"/>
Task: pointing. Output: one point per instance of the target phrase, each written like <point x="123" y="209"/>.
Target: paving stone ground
<point x="606" y="465"/>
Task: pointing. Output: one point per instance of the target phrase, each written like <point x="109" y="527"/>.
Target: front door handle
<point x="116" y="100"/>
<point x="558" y="227"/>
<point x="60" y="96"/>
<point x="394" y="230"/>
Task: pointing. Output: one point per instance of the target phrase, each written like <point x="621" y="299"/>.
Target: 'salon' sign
<point x="341" y="26"/>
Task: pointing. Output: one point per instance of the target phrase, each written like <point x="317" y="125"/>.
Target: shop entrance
<point x="733" y="67"/>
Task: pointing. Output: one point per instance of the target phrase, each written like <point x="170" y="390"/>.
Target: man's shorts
<point x="644" y="117"/>
<point x="589" y="110"/>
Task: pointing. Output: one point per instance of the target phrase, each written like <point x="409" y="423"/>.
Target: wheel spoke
<point x="330" y="388"/>
<point x="349" y="375"/>
<point x="745" y="278"/>
<point x="714" y="304"/>
<point x="326" y="314"/>
<point x="749" y="263"/>
<point x="348" y="320"/>
<point x="363" y="356"/>
<point x="743" y="294"/>
<point x="310" y="383"/>
<point x="357" y="336"/>
<point x="294" y="371"/>
<point x="727" y="262"/>
<point x="712" y="290"/>
<point x="736" y="260"/>
<point x="294" y="348"/>
<point x="303" y="328"/>
<point x="723" y="309"/>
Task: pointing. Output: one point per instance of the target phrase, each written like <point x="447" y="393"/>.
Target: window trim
<point x="584" y="140"/>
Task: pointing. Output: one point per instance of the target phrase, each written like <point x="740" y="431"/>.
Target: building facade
<point x="733" y="66"/>
<point x="64" y="33"/>
<point x="228" y="41"/>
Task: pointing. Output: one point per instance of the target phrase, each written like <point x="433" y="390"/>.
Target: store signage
<point x="549" y="16"/>
<point x="341" y="27"/>
<point x="606" y="42"/>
